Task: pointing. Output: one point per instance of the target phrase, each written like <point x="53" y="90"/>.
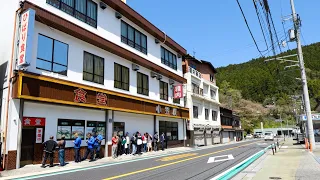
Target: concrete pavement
<point x="186" y="164"/>
<point x="292" y="161"/>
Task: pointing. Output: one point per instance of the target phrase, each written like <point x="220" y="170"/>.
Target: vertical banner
<point x="39" y="132"/>
<point x="25" y="39"/>
<point x="178" y="91"/>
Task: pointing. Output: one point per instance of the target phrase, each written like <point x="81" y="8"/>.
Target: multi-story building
<point x="72" y="66"/>
<point x="202" y="98"/>
<point x="231" y="126"/>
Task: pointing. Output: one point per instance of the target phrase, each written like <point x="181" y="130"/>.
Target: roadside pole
<point x="296" y="23"/>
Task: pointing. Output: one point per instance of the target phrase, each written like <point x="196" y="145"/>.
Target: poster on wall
<point x="64" y="129"/>
<point x="101" y="129"/>
<point x="78" y="127"/>
<point x="39" y="132"/>
<point x="98" y="127"/>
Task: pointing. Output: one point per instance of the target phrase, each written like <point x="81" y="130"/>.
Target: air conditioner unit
<point x="171" y="81"/>
<point x="135" y="67"/>
<point x="118" y="15"/>
<point x="159" y="77"/>
<point x="103" y="5"/>
<point x="156" y="41"/>
<point x="153" y="74"/>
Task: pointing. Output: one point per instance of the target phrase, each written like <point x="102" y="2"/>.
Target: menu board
<point x="78" y="127"/>
<point x="64" y="129"/>
<point x="98" y="127"/>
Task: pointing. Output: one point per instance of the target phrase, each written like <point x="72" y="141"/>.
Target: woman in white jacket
<point x="127" y="145"/>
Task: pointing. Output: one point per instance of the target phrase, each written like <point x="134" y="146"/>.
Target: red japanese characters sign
<point x="101" y="99"/>
<point x="25" y="40"/>
<point x="178" y="91"/>
<point x="80" y="95"/>
<point x="33" y="121"/>
<point x="39" y="132"/>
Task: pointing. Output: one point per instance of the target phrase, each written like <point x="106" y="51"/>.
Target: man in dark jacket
<point x="49" y="147"/>
<point x="162" y="140"/>
<point x="155" y="141"/>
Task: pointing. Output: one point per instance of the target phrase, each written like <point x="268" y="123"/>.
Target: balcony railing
<point x="197" y="90"/>
<point x="195" y="72"/>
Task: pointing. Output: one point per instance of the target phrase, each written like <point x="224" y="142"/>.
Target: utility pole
<point x="296" y="23"/>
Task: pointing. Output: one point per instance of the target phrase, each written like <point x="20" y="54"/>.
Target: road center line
<point x="176" y="162"/>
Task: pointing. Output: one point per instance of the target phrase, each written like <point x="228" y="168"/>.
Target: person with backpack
<point x="49" y="148"/>
<point x="61" y="146"/>
<point x="134" y="144"/>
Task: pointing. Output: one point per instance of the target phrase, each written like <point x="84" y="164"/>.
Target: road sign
<point x="220" y="158"/>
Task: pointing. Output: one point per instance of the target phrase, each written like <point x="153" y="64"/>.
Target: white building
<point x="202" y="98"/>
<point x="84" y="65"/>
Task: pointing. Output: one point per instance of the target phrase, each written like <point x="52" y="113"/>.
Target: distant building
<point x="230" y="126"/>
<point x="202" y="98"/>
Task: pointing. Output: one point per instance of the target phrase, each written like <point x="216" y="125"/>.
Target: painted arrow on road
<point x="220" y="158"/>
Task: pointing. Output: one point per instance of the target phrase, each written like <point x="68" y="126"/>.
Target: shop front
<point x="53" y="107"/>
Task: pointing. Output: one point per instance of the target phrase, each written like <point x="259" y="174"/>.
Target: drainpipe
<point x="10" y="75"/>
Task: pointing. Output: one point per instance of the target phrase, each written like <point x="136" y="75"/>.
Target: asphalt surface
<point x="188" y="165"/>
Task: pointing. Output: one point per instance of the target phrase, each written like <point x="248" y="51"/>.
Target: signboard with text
<point x="39" y="132"/>
<point x="25" y="38"/>
<point x="33" y="121"/>
<point x="178" y="91"/>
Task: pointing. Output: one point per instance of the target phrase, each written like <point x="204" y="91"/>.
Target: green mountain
<point x="260" y="81"/>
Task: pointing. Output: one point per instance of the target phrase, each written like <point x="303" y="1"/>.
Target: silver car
<point x="268" y="136"/>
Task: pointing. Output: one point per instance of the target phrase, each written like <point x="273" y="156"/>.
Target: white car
<point x="249" y="136"/>
<point x="268" y="136"/>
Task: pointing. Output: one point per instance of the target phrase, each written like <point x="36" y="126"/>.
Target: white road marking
<point x="284" y="147"/>
<point x="214" y="159"/>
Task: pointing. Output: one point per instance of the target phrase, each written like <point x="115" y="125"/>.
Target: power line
<point x="244" y="17"/>
<point x="258" y="15"/>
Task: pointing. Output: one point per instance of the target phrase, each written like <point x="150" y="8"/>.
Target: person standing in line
<point x="61" y="146"/>
<point x="97" y="145"/>
<point x="114" y="146"/>
<point x="124" y="144"/>
<point x="77" y="144"/>
<point x="144" y="142"/>
<point x="149" y="140"/>
<point x="162" y="140"/>
<point x="128" y="143"/>
<point x="90" y="149"/>
<point x="134" y="144"/>
<point x="155" y="141"/>
<point x="49" y="148"/>
<point x="139" y="143"/>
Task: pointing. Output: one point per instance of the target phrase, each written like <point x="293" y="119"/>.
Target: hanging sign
<point x="39" y="132"/>
<point x="177" y="92"/>
<point x="25" y="40"/>
<point x="33" y="121"/>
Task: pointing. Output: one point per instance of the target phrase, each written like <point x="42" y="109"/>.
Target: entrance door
<point x="27" y="145"/>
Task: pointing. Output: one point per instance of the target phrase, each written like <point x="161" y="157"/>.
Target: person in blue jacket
<point x="97" y="144"/>
<point x="90" y="149"/>
<point x="77" y="144"/>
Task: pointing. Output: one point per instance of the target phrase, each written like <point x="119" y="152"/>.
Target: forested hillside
<point x="259" y="81"/>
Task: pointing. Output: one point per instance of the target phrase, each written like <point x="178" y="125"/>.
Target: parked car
<point x="268" y="136"/>
<point x="249" y="136"/>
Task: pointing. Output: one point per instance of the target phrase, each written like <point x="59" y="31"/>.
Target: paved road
<point x="190" y="165"/>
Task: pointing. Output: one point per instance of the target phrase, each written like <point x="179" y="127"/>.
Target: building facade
<point x="202" y="98"/>
<point x="231" y="126"/>
<point x="75" y="66"/>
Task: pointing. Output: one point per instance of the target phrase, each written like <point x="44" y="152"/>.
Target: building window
<point x="133" y="37"/>
<point x="213" y="94"/>
<point x="84" y="10"/>
<point x="195" y="111"/>
<point x="193" y="66"/>
<point x="163" y="90"/>
<point x="214" y="115"/>
<point x="206" y="113"/>
<point x="176" y="101"/>
<point x="168" y="58"/>
<point x="170" y="129"/>
<point x="52" y="55"/>
<point x="68" y="127"/>
<point x="211" y="78"/>
<point x="93" y="68"/>
<point x="142" y="84"/>
<point x="121" y="77"/>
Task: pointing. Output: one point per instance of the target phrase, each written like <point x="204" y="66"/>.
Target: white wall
<point x="53" y="112"/>
<point x="75" y="65"/>
<point x="135" y="122"/>
<point x="181" y="130"/>
<point x="109" y="27"/>
<point x="12" y="134"/>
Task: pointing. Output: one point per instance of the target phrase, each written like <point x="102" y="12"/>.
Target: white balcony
<point x="195" y="72"/>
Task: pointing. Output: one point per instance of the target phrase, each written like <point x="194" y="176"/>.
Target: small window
<point x="214" y="115"/>
<point x="211" y="78"/>
<point x="206" y="113"/>
<point x="121" y="77"/>
<point x="176" y="101"/>
<point x="213" y="94"/>
<point x="52" y="55"/>
<point x="195" y="111"/>
<point x="142" y="84"/>
<point x="133" y="37"/>
<point x="93" y="68"/>
<point x="168" y="58"/>
<point x="163" y="90"/>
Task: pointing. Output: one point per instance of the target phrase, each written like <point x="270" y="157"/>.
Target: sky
<point x="214" y="30"/>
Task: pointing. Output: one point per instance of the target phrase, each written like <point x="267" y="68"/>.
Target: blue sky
<point x="215" y="29"/>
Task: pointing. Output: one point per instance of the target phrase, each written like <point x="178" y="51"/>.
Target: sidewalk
<point x="292" y="161"/>
<point x="37" y="170"/>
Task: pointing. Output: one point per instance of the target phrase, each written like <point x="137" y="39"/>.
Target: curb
<point x="239" y="167"/>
